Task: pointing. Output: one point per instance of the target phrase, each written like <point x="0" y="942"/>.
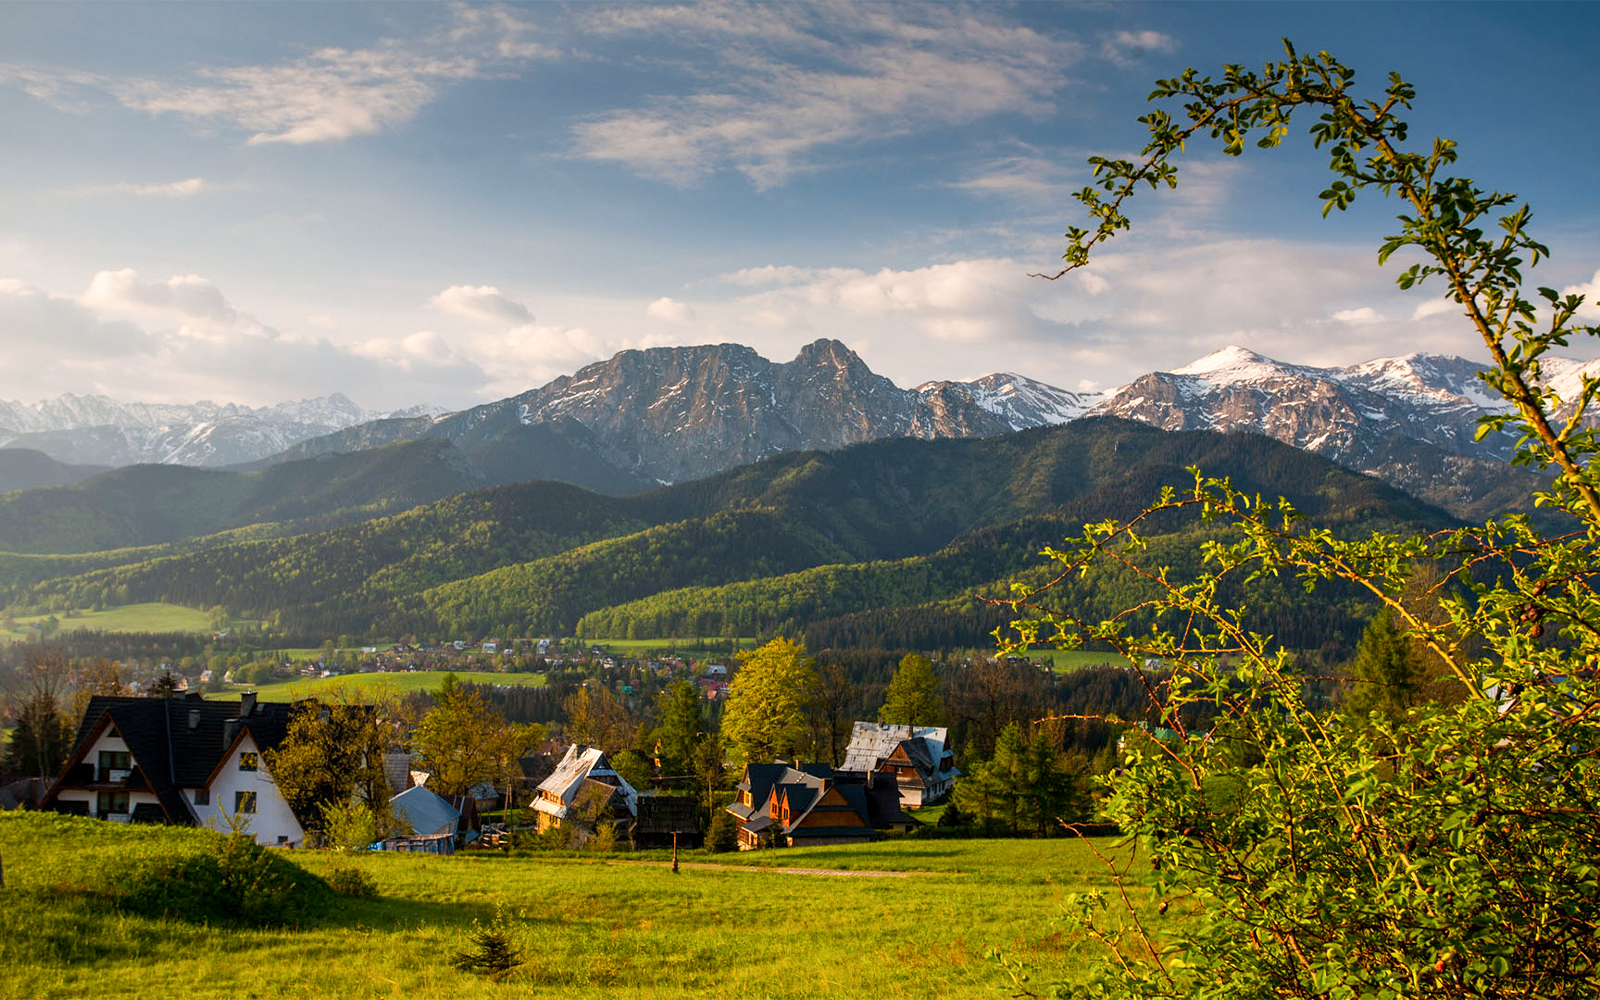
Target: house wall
<point x="273" y="822"/>
<point x="110" y="742"/>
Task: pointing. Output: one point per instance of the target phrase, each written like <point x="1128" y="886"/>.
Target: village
<point x="722" y="759"/>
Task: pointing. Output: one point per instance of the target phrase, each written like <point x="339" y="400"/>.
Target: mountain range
<point x="100" y="431"/>
<point x="672" y="414"/>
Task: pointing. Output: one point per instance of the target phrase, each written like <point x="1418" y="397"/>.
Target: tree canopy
<point x="766" y="714"/>
<point x="462" y="742"/>
<point x="1448" y="852"/>
<point x="913" y="695"/>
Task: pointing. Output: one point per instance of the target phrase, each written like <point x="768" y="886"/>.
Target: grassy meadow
<point x="591" y="925"/>
<point x="401" y="683"/>
<point x="155" y="617"/>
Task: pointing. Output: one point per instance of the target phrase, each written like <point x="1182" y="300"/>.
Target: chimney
<point x="247" y="704"/>
<point x="194" y="718"/>
<point x="230" y="729"/>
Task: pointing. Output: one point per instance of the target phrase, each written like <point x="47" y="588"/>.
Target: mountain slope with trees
<point x="895" y="523"/>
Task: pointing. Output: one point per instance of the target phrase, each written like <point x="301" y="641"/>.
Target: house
<point x="582" y="788"/>
<point x="811" y="804"/>
<point x="179" y="761"/>
<point x="918" y="756"/>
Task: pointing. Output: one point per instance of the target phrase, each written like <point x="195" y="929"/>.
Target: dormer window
<point x="249" y="761"/>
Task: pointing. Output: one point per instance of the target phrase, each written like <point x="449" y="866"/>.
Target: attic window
<point x="202" y="796"/>
<point x="244" y="802"/>
<point x="249" y="761"/>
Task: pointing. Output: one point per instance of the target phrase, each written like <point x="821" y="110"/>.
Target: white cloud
<point x="187" y="298"/>
<point x="1433" y="307"/>
<point x="482" y="302"/>
<point x="669" y="310"/>
<point x="779" y="88"/>
<point x="330" y="95"/>
<point x="171" y="189"/>
<point x="1364" y="316"/>
<point x="1028" y="178"/>
<point x="779" y="274"/>
<point x="327" y="95"/>
<point x="181" y="339"/>
<point x="1125" y="47"/>
<point x="1590" y="310"/>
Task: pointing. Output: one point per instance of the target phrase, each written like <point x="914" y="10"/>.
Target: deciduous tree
<point x="913" y="695"/>
<point x="766" y="714"/>
<point x="462" y="742"/>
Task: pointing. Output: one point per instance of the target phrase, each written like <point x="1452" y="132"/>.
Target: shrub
<point x="234" y="881"/>
<point x="724" y="833"/>
<point x="352" y="883"/>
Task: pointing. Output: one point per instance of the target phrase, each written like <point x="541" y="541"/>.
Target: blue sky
<point x="451" y="203"/>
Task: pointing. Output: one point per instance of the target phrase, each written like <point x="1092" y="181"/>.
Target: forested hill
<point x="543" y="555"/>
<point x="152" y="504"/>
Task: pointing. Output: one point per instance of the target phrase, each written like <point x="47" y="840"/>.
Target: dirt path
<point x="834" y="872"/>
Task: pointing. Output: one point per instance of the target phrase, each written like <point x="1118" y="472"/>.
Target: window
<point x="244" y="802"/>
<point x="249" y="761"/>
<point x="111" y="802"/>
<point x="202" y="796"/>
<point x="114" y="760"/>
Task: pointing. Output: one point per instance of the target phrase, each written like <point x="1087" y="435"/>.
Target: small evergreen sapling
<point x="492" y="952"/>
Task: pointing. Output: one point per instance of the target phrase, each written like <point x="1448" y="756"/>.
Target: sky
<point x="452" y="203"/>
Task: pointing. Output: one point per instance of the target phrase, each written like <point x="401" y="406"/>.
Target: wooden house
<point x="582" y="786"/>
<point x="919" y="758"/>
<point x="810" y="804"/>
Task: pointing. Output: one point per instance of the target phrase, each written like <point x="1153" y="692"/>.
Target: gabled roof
<point x="177" y="743"/>
<point x="581" y="763"/>
<point x="871" y="742"/>
<point x="424" y="811"/>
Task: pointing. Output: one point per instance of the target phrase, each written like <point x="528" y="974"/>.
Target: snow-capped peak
<point x="1235" y="364"/>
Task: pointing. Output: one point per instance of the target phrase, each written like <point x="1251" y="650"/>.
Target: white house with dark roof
<point x="179" y="761"/>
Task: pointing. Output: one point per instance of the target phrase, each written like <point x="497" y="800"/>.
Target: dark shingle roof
<point x="178" y="742"/>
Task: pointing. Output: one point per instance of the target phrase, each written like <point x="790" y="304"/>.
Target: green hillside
<point x="899" y="524"/>
<point x="150" y="504"/>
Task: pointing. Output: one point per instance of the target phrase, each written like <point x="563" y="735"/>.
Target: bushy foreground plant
<point x="1449" y="851"/>
<point x="233" y="880"/>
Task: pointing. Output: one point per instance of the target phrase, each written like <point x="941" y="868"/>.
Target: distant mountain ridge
<point x="645" y="418"/>
<point x="1346" y="414"/>
<point x="98" y="430"/>
<point x="670" y="414"/>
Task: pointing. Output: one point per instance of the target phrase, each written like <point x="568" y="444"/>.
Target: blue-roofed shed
<point x="425" y="812"/>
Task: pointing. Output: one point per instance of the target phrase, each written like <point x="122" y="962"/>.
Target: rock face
<point x="674" y="413"/>
<point x="1347" y="414"/>
<point x="101" y="431"/>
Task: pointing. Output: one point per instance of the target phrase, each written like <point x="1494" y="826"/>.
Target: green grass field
<point x="421" y="680"/>
<point x="1067" y="660"/>
<point x="686" y="647"/>
<point x="600" y="926"/>
<point x="126" y="618"/>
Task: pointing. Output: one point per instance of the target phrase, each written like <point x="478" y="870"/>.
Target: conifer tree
<point x="913" y="695"/>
